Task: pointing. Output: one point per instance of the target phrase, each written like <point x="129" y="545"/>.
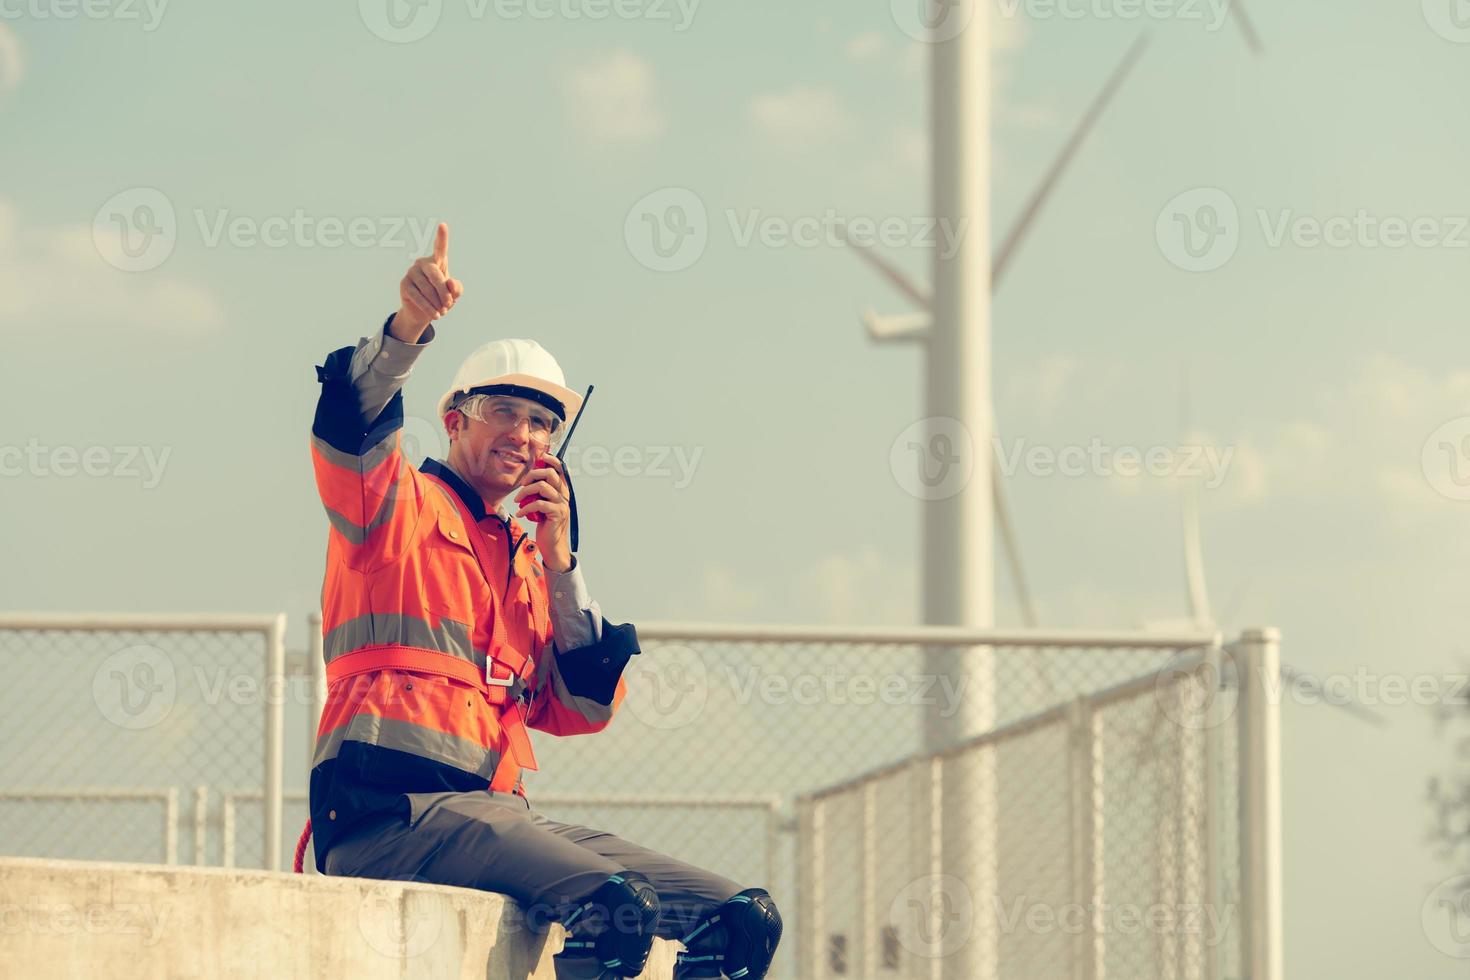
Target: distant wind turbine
<point x="915" y="327"/>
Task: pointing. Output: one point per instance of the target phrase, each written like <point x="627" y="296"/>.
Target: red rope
<point x="301" y="847"/>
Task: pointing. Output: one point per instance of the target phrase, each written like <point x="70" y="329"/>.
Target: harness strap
<point x="512" y="723"/>
<point x="393" y="657"/>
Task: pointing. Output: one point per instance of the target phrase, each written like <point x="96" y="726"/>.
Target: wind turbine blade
<point x="1059" y="166"/>
<point x="1013" y="559"/>
<point x="1013" y="240"/>
<point x="904" y="326"/>
<point x="892" y="273"/>
<point x="1194" y="558"/>
<point x="1194" y="561"/>
<point x="1351" y="707"/>
<point x="1247" y="29"/>
<point x="1233" y="605"/>
<point x="1011" y="546"/>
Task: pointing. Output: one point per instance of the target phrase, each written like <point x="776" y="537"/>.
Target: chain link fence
<point x="1102" y="788"/>
<point x="116" y="728"/>
<point x="1098" y="837"/>
<point x="918" y="804"/>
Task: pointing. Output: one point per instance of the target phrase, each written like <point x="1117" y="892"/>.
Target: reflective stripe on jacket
<point x="411" y="625"/>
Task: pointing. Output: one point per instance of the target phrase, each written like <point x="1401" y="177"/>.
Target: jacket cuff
<point x="568" y="590"/>
<point x="592" y="672"/>
<point x="386" y="356"/>
<point x="339" y="421"/>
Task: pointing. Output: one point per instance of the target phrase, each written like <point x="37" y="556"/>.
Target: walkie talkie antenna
<point x="561" y="450"/>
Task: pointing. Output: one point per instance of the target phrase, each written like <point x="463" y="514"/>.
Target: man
<point x="447" y="634"/>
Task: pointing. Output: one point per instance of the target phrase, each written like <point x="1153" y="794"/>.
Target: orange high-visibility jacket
<point x="438" y="654"/>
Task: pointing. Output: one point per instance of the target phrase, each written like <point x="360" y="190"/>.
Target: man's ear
<point x="452" y="423"/>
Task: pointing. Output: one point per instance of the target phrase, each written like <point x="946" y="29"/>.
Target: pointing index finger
<point x="441" y="248"/>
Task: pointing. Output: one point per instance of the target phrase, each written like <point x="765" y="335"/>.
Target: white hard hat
<point x="516" y="364"/>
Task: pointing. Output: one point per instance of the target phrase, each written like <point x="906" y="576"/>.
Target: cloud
<point x="801" y="118"/>
<point x="838" y="588"/>
<point x="1008" y="36"/>
<point x="1369" y="444"/>
<point x="1064" y="385"/>
<point x="56" y="276"/>
<point x="1007" y="31"/>
<point x="612" y="100"/>
<point x="866" y="588"/>
<point x="902" y="159"/>
<point x="1408" y="419"/>
<point x="1045" y="385"/>
<point x="911" y="148"/>
<point x="916" y="59"/>
<point x="1090" y="605"/>
<point x="7" y="224"/>
<point x="11" y="63"/>
<point x="1385" y="435"/>
<point x="866" y="47"/>
<point x="724" y="596"/>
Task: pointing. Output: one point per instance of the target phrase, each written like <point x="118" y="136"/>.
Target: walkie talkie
<point x="561" y="452"/>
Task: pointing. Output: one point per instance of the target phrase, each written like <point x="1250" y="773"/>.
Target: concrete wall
<point x="81" y="919"/>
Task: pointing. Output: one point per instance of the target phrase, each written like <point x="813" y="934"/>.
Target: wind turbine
<point x="915" y="327"/>
<point x="1197" y="593"/>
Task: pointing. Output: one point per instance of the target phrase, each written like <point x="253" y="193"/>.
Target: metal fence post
<point x="936" y="849"/>
<point x="814" y="930"/>
<point x="1213" y="818"/>
<point x="275" y="730"/>
<point x="868" y="928"/>
<point x="1085" y="799"/>
<point x="227" y="831"/>
<point x="171" y="827"/>
<point x="773" y="840"/>
<point x="316" y="671"/>
<point x="806" y="881"/>
<point x="1258" y="665"/>
<point x="201" y="824"/>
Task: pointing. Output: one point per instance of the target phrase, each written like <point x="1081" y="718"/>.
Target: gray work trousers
<point x="496" y="842"/>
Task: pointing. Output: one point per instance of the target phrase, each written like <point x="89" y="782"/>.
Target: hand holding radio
<point x="545" y="501"/>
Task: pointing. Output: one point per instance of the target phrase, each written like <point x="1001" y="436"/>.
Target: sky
<point x="1276" y="239"/>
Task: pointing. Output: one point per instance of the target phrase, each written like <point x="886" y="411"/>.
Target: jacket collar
<point x="457" y="483"/>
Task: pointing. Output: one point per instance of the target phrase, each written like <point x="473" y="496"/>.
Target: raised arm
<point x="371" y="494"/>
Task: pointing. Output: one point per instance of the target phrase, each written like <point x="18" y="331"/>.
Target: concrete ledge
<point x="82" y="919"/>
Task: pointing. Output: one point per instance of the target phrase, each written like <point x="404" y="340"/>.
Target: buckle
<point x="494" y="681"/>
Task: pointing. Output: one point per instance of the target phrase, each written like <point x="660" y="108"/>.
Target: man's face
<point x="495" y="455"/>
